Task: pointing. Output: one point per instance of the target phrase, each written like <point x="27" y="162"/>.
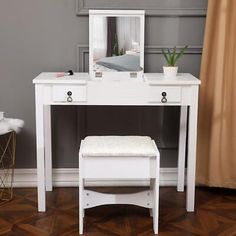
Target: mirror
<point x="116" y="42"/>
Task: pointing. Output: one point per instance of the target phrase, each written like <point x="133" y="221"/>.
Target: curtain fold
<point x="216" y="149"/>
<point x="112" y="43"/>
<point x="128" y="33"/>
<point x="99" y="37"/>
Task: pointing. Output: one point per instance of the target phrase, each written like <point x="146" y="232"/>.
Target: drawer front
<point x="69" y="93"/>
<point x="164" y="94"/>
<point x="118" y="167"/>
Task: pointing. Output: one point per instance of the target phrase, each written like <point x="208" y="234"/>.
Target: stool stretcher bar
<point x="93" y="199"/>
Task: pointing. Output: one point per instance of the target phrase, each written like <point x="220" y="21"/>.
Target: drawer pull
<point x="164" y="99"/>
<point x="69" y="99"/>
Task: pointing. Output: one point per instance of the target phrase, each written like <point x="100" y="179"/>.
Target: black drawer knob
<point x="164" y="99"/>
<point x="69" y="99"/>
<point x="163" y="94"/>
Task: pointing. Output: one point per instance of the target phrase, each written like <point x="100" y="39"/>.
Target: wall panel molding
<point x="152" y="7"/>
<point x="157" y="49"/>
<point x="83" y="50"/>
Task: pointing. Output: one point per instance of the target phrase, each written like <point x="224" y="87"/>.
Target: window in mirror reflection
<point x="116" y="43"/>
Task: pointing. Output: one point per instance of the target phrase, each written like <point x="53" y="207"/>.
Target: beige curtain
<point x="216" y="151"/>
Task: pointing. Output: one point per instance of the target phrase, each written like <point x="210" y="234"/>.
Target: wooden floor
<point x="215" y="215"/>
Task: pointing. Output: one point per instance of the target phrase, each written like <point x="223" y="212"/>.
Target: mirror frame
<point x="117" y="13"/>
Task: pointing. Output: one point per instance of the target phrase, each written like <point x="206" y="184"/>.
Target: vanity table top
<point x="181" y="79"/>
<point x="50" y="78"/>
<point x="150" y="78"/>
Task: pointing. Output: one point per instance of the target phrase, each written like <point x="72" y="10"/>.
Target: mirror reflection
<point x="116" y="43"/>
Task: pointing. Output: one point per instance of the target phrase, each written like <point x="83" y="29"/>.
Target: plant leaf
<point x="180" y="53"/>
<point x="170" y="57"/>
<point x="173" y="57"/>
<point x="166" y="56"/>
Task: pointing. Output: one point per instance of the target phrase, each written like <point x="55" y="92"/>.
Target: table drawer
<point x="69" y="93"/>
<point x="164" y="94"/>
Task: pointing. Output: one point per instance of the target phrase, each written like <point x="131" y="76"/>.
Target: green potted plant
<point x="171" y="57"/>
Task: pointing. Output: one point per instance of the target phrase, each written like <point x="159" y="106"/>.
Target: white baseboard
<point x="69" y="177"/>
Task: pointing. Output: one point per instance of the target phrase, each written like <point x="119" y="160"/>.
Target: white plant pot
<point x="170" y="71"/>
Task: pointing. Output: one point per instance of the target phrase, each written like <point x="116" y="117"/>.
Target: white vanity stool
<point x="119" y="157"/>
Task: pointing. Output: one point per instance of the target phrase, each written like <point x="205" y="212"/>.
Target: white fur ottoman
<point x="119" y="157"/>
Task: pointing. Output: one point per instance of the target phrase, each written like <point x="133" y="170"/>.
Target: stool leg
<point x="81" y="209"/>
<point x="156" y="206"/>
<point x="151" y="190"/>
<point x="155" y="188"/>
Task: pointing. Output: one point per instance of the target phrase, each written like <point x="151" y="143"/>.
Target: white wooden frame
<point x="116" y="13"/>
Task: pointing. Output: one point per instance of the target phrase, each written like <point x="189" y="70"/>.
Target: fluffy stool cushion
<point x="103" y="146"/>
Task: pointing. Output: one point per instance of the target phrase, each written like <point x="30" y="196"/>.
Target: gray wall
<point x="52" y="35"/>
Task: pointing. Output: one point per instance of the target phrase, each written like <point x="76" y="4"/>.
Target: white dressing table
<point x="116" y="78"/>
<point x="151" y="90"/>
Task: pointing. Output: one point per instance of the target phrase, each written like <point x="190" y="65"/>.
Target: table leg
<point x="182" y="147"/>
<point x="192" y="141"/>
<point x="48" y="147"/>
<point x="40" y="147"/>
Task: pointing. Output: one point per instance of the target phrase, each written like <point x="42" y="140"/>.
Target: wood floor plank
<point x="215" y="215"/>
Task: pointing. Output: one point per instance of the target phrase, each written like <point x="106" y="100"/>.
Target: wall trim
<point x="162" y="11"/>
<point x="157" y="49"/>
<point x="83" y="49"/>
<point x="69" y="177"/>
